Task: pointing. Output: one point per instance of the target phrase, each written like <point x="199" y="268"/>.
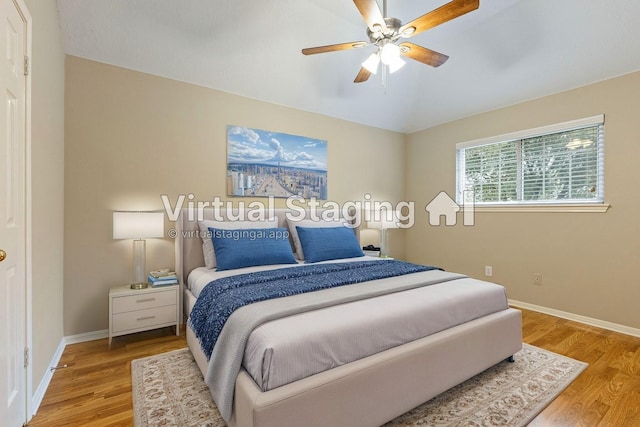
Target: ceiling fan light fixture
<point x="389" y="53"/>
<point x="371" y="63"/>
<point x="396" y="64"/>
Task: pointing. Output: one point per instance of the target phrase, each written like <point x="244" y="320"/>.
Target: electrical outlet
<point x="488" y="270"/>
<point x="537" y="279"/>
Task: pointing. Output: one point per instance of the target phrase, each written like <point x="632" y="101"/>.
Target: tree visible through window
<point x="556" y="166"/>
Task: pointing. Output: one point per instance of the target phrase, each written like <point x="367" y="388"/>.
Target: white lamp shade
<point x="383" y="220"/>
<point x="396" y="64"/>
<point x="389" y="53"/>
<point x="138" y="225"/>
<point x="371" y="63"/>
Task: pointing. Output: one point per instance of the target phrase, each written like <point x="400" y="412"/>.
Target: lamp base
<point x="384" y="245"/>
<point x="139" y="261"/>
<point x="141" y="285"/>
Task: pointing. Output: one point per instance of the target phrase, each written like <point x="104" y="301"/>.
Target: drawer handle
<point x="146" y="300"/>
<point x="145" y="318"/>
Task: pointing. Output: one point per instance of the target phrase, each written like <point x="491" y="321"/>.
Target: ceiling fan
<point x="385" y="33"/>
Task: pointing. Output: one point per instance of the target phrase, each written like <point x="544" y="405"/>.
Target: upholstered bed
<point x="430" y="331"/>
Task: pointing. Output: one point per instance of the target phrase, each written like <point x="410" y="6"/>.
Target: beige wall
<point x="588" y="260"/>
<point x="47" y="163"/>
<point x="131" y="137"/>
<point x="120" y="124"/>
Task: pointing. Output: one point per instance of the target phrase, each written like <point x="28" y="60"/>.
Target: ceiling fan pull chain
<point x="383" y="75"/>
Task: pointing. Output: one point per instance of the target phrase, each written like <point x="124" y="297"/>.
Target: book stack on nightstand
<point x="162" y="278"/>
<point x="371" y="250"/>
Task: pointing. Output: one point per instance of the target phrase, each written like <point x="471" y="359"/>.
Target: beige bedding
<point x="368" y="391"/>
<point x="288" y="349"/>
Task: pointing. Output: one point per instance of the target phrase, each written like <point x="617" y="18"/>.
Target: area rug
<point x="168" y="390"/>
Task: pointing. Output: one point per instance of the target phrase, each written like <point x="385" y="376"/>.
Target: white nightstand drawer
<point x="144" y="301"/>
<point x="144" y="318"/>
<point x="137" y="310"/>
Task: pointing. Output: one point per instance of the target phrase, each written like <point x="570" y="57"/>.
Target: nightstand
<point x="137" y="310"/>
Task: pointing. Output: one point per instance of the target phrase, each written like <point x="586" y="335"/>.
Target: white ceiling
<point x="506" y="52"/>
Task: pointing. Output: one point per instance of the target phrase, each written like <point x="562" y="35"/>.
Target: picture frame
<point x="264" y="163"/>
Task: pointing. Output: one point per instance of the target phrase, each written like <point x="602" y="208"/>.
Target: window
<point x="557" y="164"/>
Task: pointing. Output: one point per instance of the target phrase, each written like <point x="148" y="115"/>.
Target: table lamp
<point x="382" y="221"/>
<point x="138" y="226"/>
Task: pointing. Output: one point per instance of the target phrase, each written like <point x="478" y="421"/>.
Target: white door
<point x="12" y="216"/>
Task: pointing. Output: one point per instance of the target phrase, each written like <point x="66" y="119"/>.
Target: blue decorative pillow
<point x="326" y="243"/>
<point x="247" y="247"/>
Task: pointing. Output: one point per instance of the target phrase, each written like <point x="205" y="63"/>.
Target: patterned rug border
<point x="558" y="388"/>
<point x="207" y="417"/>
<point x="210" y="417"/>
<point x="166" y="353"/>
<point x="135" y="386"/>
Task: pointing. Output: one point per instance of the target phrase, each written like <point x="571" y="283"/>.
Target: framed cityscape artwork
<point x="272" y="164"/>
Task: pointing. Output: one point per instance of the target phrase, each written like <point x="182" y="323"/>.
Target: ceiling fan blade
<point x="443" y="14"/>
<point x="333" y="48"/>
<point x="363" y="75"/>
<point x="422" y="54"/>
<point x="371" y="13"/>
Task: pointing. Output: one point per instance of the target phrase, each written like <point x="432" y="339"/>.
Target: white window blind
<point x="557" y="164"/>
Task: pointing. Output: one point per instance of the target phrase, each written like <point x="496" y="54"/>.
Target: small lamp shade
<point x="138" y="225"/>
<point x="371" y="63"/>
<point x="383" y="220"/>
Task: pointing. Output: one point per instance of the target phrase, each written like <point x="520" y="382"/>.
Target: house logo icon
<point x="444" y="205"/>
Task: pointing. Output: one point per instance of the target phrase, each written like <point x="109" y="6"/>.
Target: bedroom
<point x="90" y="158"/>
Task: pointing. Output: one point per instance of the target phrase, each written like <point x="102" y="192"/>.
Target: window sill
<point x="595" y="208"/>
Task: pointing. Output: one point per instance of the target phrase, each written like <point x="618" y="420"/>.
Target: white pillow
<point x="207" y="243"/>
<point x="309" y="223"/>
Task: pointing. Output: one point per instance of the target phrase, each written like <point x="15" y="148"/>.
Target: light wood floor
<point x="96" y="387"/>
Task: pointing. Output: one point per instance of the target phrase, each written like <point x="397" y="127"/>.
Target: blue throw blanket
<point x="220" y="298"/>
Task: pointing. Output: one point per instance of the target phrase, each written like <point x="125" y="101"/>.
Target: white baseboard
<point x="615" y="327"/>
<point x="86" y="336"/>
<point x="37" y="397"/>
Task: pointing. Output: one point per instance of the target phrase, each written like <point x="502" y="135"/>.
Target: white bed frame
<point x="369" y="391"/>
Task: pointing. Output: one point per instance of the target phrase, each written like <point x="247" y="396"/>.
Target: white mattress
<point x="288" y="349"/>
